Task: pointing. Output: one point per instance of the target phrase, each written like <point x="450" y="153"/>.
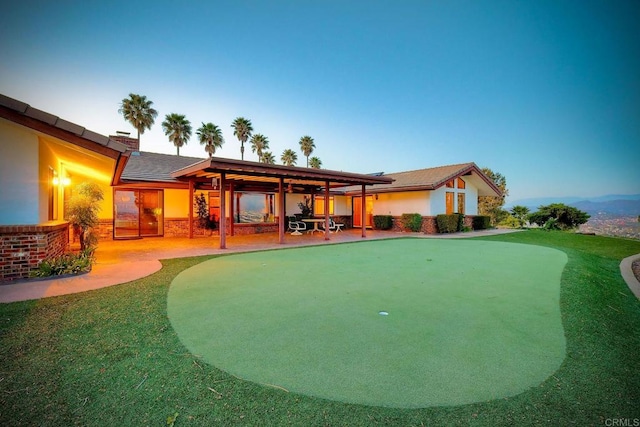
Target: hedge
<point x="449" y="223"/>
<point x="412" y="221"/>
<point x="382" y="222"/>
<point x="481" y="222"/>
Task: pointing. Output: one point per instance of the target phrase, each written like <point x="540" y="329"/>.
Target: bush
<point x="382" y="222"/>
<point x="511" y="222"/>
<point x="69" y="263"/>
<point x="412" y="221"/>
<point x="481" y="222"/>
<point x="449" y="223"/>
<point x="563" y="216"/>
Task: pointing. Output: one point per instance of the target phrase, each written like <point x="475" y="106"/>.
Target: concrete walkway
<point x="628" y="275"/>
<point x="122" y="261"/>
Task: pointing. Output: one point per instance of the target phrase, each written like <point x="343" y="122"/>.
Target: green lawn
<point x="111" y="357"/>
<point x="459" y="328"/>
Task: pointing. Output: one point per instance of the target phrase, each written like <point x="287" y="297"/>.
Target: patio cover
<point x="245" y="175"/>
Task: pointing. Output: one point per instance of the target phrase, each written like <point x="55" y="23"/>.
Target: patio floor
<point x="121" y="261"/>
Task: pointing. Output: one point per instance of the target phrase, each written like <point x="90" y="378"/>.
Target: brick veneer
<point x="22" y="247"/>
<point x="429" y="224"/>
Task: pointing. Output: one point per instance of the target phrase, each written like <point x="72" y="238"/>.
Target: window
<point x="318" y="207"/>
<point x="461" y="203"/>
<point x="449" y="202"/>
<point x="449" y="184"/>
<point x="461" y="183"/>
<point x="254" y="207"/>
<point x="52" y="195"/>
<point x="138" y="213"/>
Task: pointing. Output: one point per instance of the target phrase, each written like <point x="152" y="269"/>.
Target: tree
<point x="315" y="163"/>
<point x="259" y="143"/>
<point x="268" y="158"/>
<point x="211" y="137"/>
<point x="558" y="215"/>
<point x="307" y="146"/>
<point x="492" y="205"/>
<point x="520" y="213"/>
<point x="242" y="129"/>
<point x="177" y="128"/>
<point x="82" y="212"/>
<point x="289" y="157"/>
<point x="138" y="112"/>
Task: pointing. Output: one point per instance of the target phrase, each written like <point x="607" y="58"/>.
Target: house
<point x="42" y="158"/>
<point x="429" y="192"/>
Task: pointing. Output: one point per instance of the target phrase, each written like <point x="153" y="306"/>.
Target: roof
<point x="22" y="113"/>
<point x="245" y="172"/>
<point x="434" y="178"/>
<point x="155" y="167"/>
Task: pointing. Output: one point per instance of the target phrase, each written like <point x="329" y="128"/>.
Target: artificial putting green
<point x="467" y="320"/>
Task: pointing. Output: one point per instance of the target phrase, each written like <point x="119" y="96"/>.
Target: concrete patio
<point x="122" y="261"/>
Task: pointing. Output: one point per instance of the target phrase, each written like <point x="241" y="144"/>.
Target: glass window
<point x="254" y="207"/>
<point x="318" y="209"/>
<point x="450" y="184"/>
<point x="461" y="203"/>
<point x="461" y="183"/>
<point x="449" y="202"/>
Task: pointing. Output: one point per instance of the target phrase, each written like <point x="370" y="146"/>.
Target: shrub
<point x="82" y="211"/>
<point x="412" y="221"/>
<point x="449" y="223"/>
<point x="202" y="210"/>
<point x="69" y="263"/>
<point x="481" y="222"/>
<point x="382" y="222"/>
<point x="511" y="222"/>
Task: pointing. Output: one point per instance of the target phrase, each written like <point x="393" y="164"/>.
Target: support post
<point x="364" y="211"/>
<point x="281" y="213"/>
<point x="326" y="210"/>
<point x="191" y="208"/>
<point x="223" y="213"/>
<point x="231" y="211"/>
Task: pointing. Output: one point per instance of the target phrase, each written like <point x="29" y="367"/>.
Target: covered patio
<point x="229" y="176"/>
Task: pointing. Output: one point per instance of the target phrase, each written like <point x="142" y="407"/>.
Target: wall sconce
<point x="214" y="183"/>
<point x="64" y="181"/>
<point x="376" y="197"/>
<point x="290" y="188"/>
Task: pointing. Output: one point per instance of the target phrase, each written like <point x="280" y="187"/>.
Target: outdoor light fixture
<point x="290" y="188"/>
<point x="214" y="183"/>
<point x="64" y="181"/>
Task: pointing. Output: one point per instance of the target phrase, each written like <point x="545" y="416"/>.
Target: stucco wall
<point x="398" y="203"/>
<point x="19" y="180"/>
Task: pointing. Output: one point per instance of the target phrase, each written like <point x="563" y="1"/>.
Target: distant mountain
<point x="609" y="207"/>
<point x="621" y="204"/>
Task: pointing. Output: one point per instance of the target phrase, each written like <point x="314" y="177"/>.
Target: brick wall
<point x="23" y="247"/>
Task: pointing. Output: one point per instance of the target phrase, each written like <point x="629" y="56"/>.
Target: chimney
<point x="124" y="138"/>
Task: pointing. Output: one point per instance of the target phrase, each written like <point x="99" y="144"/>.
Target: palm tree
<point x="242" y="129"/>
<point x="315" y="163"/>
<point x="138" y="112"/>
<point x="177" y="128"/>
<point x="289" y="157"/>
<point x="307" y="146"/>
<point x="259" y="143"/>
<point x="210" y="136"/>
<point x="268" y="158"/>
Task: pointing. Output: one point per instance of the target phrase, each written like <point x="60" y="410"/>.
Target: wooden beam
<point x="223" y="214"/>
<point x="281" y="212"/>
<point x="190" y="207"/>
<point x="232" y="190"/>
<point x="364" y="211"/>
<point x="326" y="210"/>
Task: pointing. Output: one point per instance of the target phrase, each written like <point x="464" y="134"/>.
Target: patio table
<point x="315" y="222"/>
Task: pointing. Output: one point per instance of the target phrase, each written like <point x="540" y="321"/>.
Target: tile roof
<point x="155" y="167"/>
<point x="26" y="112"/>
<point x="427" y="179"/>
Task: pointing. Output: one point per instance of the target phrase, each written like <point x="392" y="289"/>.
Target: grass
<point x="111" y="357"/>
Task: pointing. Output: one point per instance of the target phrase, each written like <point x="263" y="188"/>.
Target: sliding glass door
<point x="138" y="213"/>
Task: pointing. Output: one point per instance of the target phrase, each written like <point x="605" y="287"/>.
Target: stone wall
<point x="22" y="247"/>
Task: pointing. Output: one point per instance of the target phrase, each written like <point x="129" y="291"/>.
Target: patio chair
<point x="337" y="225"/>
<point x="296" y="227"/>
<point x="333" y="227"/>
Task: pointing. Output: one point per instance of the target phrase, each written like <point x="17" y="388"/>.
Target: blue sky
<point x="545" y="92"/>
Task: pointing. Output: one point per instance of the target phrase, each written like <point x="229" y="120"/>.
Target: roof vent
<point x="122" y="133"/>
